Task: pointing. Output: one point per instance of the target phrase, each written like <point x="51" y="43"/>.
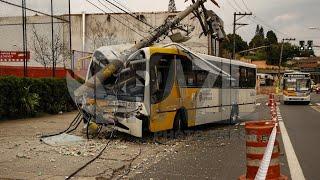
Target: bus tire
<point x="285" y="102"/>
<point x="307" y="102"/>
<point x="180" y="120"/>
<point x="234" y="115"/>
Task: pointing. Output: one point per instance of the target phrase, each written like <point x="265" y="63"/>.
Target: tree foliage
<point x="271" y="38"/>
<point x="258" y="39"/>
<point x="271" y="53"/>
<point x="227" y="44"/>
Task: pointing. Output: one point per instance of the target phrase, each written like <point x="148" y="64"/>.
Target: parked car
<point x="318" y="89"/>
<point x="313" y="86"/>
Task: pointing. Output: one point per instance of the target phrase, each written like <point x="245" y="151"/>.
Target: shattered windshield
<point x="128" y="85"/>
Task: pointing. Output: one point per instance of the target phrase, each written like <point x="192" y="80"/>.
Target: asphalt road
<point x="217" y="153"/>
<point x="302" y="123"/>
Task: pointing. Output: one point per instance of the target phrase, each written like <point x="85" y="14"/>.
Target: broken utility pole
<point x="116" y="65"/>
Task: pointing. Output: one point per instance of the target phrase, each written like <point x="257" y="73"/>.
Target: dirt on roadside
<point x="23" y="156"/>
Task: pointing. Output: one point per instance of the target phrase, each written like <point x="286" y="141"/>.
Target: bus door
<point x="164" y="96"/>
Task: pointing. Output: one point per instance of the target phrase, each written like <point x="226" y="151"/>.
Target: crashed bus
<point x="169" y="87"/>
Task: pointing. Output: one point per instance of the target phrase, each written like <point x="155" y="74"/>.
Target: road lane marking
<point x="317" y="108"/>
<point x="294" y="165"/>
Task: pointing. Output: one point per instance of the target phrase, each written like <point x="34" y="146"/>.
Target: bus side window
<point x="251" y="76"/>
<point x="189" y="74"/>
<point x="226" y="79"/>
<point x="235" y="74"/>
<point x="243" y="77"/>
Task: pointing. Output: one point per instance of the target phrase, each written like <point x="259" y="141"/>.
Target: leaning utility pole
<point x="116" y="65"/>
<point x="235" y="24"/>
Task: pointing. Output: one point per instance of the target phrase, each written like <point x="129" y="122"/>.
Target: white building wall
<point x="100" y="29"/>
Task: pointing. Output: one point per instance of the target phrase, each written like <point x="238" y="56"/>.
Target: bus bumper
<point x="132" y="126"/>
<point x="296" y="99"/>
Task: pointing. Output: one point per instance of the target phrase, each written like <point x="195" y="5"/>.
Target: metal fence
<point x="41" y="28"/>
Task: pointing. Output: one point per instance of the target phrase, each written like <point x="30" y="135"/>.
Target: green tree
<point x="257" y="29"/>
<point x="271" y="37"/>
<point x="227" y="43"/>
<point x="257" y="41"/>
<point x="273" y="53"/>
<point x="261" y="31"/>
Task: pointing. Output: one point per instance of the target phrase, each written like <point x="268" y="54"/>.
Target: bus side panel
<point x="226" y="103"/>
<point x="188" y="96"/>
<point x="208" y="110"/>
<point x="163" y="113"/>
<point x="246" y="100"/>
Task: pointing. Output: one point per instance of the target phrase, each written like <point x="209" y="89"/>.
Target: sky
<point x="288" y="18"/>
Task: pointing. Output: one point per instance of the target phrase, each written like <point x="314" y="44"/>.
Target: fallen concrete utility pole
<point x="116" y="65"/>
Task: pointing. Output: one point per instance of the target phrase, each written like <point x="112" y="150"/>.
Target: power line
<point x="254" y="18"/>
<point x="129" y="13"/>
<point x="32" y="10"/>
<point x="115" y="12"/>
<point x="125" y="7"/>
<point x="235" y="2"/>
<point x="259" y="19"/>
<point x="245" y="5"/>
<point x="231" y="5"/>
<point x="115" y="18"/>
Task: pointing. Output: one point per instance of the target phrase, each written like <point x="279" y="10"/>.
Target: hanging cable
<point x="125" y="7"/>
<point x="32" y="10"/>
<point x="116" y="19"/>
<point x="113" y="4"/>
<point x="254" y="18"/>
<point x="89" y="162"/>
<point x="119" y="16"/>
<point x="76" y="122"/>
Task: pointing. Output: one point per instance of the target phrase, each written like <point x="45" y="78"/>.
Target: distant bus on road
<point x="296" y="87"/>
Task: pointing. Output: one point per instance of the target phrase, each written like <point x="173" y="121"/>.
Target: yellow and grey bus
<point x="296" y="87"/>
<point x="171" y="87"/>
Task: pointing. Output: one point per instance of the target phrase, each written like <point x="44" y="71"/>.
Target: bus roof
<point x="227" y="61"/>
<point x="175" y="50"/>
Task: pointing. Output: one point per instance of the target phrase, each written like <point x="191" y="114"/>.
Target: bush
<point x="25" y="97"/>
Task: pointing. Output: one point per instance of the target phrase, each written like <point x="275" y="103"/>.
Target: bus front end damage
<point x="114" y="97"/>
<point x="127" y="117"/>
